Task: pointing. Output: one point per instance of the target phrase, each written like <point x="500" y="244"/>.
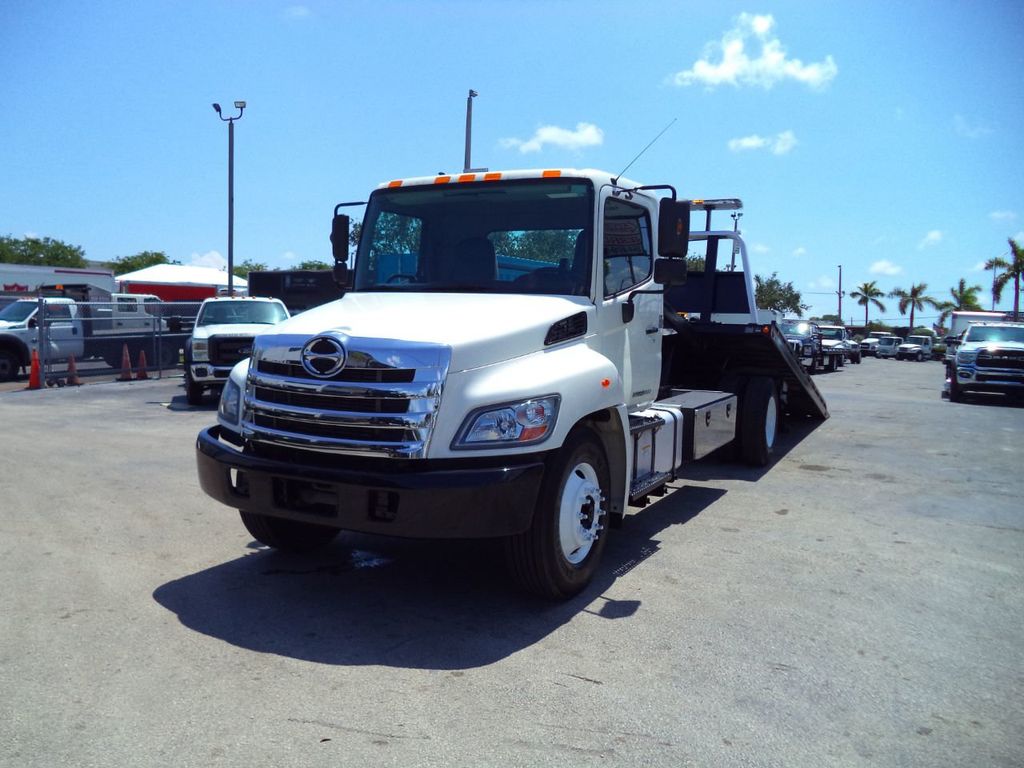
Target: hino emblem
<point x="323" y="356"/>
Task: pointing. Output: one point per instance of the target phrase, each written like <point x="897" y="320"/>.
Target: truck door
<point x="64" y="331"/>
<point x="626" y="264"/>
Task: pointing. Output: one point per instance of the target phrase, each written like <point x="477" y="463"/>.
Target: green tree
<point x="242" y="270"/>
<point x="40" y="252"/>
<point x="867" y="294"/>
<point x="913" y="299"/>
<point x="1013" y="269"/>
<point x="125" y="264"/>
<point x="313" y="264"/>
<point x="964" y="298"/>
<point x="772" y="293"/>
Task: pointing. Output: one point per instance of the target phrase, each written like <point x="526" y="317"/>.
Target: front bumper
<point x="989" y="379"/>
<point x="450" y="500"/>
<point x="209" y="374"/>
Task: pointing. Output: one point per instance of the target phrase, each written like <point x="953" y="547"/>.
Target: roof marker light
<point x="396" y="183"/>
<point x="551" y="174"/>
<point x="492" y="177"/>
<point x="442" y="179"/>
<point x="467" y="177"/>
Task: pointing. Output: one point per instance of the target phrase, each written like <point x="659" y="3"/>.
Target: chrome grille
<point x="382" y="403"/>
<point x="228" y="350"/>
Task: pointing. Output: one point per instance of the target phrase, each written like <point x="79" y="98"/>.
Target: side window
<point x="127" y="305"/>
<point x="58" y="312"/>
<point x="627" y="246"/>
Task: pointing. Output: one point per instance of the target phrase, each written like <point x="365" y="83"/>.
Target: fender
<point x="14" y="344"/>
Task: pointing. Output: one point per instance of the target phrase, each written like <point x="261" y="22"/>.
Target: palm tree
<point x="915" y="299"/>
<point x="965" y="298"/>
<point x="868" y="294"/>
<point x="1013" y="270"/>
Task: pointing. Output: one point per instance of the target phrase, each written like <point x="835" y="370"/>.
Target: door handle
<point x="652" y="330"/>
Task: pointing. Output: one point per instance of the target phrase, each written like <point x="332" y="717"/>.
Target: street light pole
<point x="840" y="292"/>
<point x="467" y="164"/>
<point x="240" y="106"/>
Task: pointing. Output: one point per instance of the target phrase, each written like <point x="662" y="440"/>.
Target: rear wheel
<point x="9" y="365"/>
<point x="287" y="535"/>
<point x="956" y="394"/>
<point x="559" y="553"/>
<point x="759" y="421"/>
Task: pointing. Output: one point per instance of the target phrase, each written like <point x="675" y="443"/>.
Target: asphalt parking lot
<point x="858" y="603"/>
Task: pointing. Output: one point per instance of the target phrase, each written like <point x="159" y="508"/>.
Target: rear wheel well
<point x="16" y="348"/>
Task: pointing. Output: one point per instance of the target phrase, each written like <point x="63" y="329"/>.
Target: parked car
<point x="888" y="345"/>
<point x="804" y="338"/>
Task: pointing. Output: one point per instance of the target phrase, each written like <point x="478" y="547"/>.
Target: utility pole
<point x="840" y="292"/>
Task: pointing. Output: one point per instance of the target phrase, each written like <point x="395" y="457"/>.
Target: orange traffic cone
<point x="142" y="366"/>
<point x="73" y="379"/>
<point x="34" y="378"/>
<point x="126" y="365"/>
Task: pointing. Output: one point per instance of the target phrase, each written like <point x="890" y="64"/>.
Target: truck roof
<point x="598" y="177"/>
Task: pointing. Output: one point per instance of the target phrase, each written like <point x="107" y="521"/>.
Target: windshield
<point x="18" y="311"/>
<point x="795" y="327"/>
<point x="995" y="333"/>
<point x="918" y="339"/>
<point x="242" y="311"/>
<point x="889" y="341"/>
<point x="486" y="237"/>
<point x="834" y="334"/>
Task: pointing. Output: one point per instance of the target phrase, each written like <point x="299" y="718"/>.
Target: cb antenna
<point x="615" y="180"/>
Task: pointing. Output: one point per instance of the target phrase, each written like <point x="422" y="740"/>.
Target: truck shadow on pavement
<point x="413" y="604"/>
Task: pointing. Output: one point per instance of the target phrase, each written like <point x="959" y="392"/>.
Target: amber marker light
<point x="551" y="174"/>
<point x="467" y="177"/>
<point x="442" y="179"/>
<point x="395" y="184"/>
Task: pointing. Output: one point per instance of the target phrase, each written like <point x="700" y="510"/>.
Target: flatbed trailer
<point x="717" y="338"/>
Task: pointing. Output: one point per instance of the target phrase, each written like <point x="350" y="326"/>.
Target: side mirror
<point x="339" y="237"/>
<point x="32" y="323"/>
<point x="669" y="272"/>
<point x="673" y="227"/>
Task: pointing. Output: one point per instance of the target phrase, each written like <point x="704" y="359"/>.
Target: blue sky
<point x="881" y="136"/>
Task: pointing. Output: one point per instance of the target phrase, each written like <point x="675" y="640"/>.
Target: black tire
<point x="168" y="356"/>
<point x="759" y="421"/>
<point x="10" y="365"/>
<point x="193" y="390"/>
<point x="920" y="357"/>
<point x="956" y="394"/>
<point x="287" y="535"/>
<point x="556" y="557"/>
<point x="857" y="358"/>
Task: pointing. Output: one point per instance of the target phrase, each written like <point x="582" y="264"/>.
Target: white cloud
<point x="971" y="129"/>
<point x="290" y="256"/>
<point x="209" y="259"/>
<point x="800" y="251"/>
<point x="933" y="238"/>
<point x="823" y="283"/>
<point x="780" y="145"/>
<point x="297" y="12"/>
<point x="760" y="248"/>
<point x="585" y="135"/>
<point x="1003" y="216"/>
<point x="979" y="267"/>
<point x="885" y="267"/>
<point x="737" y="68"/>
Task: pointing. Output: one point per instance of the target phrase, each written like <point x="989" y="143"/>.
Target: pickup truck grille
<point x="1006" y="359"/>
<point x="381" y="403"/>
<point x="228" y="350"/>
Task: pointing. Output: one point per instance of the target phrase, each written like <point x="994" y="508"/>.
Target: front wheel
<point x="287" y="535"/>
<point x="556" y="557"/>
<point x="759" y="421"/>
<point x="193" y="390"/>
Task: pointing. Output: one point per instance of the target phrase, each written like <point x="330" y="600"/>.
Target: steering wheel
<point x="401" y="276"/>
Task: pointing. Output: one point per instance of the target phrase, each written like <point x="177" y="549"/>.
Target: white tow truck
<point x="518" y="354"/>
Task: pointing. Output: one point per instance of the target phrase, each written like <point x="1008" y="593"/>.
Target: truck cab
<point x="20" y="333"/>
<point x="869" y="345"/>
<point x="917" y="348"/>
<point x="223" y="333"/>
<point x="888" y="346"/>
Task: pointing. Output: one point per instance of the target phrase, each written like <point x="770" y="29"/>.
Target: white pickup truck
<point x="518" y="355"/>
<point x="223" y="333"/>
<point x="917" y="348"/>
<point x="82" y="330"/>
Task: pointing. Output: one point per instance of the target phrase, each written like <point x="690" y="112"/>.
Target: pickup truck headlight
<point x="967" y="357"/>
<point x="230" y="402"/>
<point x="523" y="423"/>
<point x="200" y="351"/>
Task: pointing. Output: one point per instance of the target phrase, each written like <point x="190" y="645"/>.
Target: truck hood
<point x="480" y="328"/>
<point x="231" y="329"/>
<point x="993" y="345"/>
<point x="8" y="324"/>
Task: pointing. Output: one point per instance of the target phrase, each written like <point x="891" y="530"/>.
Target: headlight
<point x="808" y="349"/>
<point x="523" y="423"/>
<point x="200" y="351"/>
<point x="230" y="400"/>
<point x="967" y="356"/>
